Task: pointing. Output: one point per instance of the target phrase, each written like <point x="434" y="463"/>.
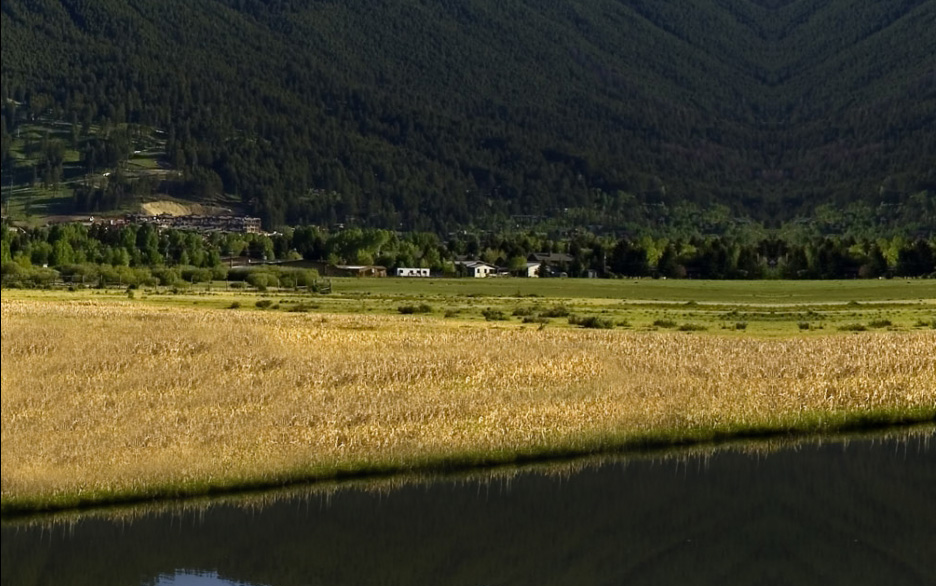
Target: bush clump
<point x="591" y="322"/>
<point x="664" y="323"/>
<point x="852" y="328"/>
<point x="688" y="327"/>
<point x="411" y="309"/>
<point x="263" y="303"/>
<point x="491" y="314"/>
<point x="270" y="276"/>
<point x="880" y="323"/>
<point x="557" y="311"/>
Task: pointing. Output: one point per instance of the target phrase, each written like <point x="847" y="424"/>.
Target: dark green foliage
<point x="263" y="303"/>
<point x="262" y="280"/>
<point x="629" y="260"/>
<point x="880" y="323"/>
<point x="556" y="311"/>
<point x="410" y="309"/>
<point x="664" y="323"/>
<point x="428" y="115"/>
<point x="175" y="257"/>
<point x="916" y="260"/>
<point x="591" y="322"/>
<point x="688" y="327"/>
<point x="274" y="276"/>
<point x="853" y="328"/>
<point x="15" y="275"/>
<point x="491" y="314"/>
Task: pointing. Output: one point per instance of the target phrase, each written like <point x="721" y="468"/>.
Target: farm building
<point x="411" y="272"/>
<point x="358" y="271"/>
<point x="475" y="268"/>
<point x="532" y="269"/>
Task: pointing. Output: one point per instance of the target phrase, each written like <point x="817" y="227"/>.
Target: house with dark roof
<point x="551" y="258"/>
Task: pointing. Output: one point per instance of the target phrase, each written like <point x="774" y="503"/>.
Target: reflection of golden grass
<point x="109" y="398"/>
<point x="693" y="456"/>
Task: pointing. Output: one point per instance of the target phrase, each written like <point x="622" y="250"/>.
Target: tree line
<point x="86" y="254"/>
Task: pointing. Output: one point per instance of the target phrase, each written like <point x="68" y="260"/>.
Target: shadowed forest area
<point x="428" y="116"/>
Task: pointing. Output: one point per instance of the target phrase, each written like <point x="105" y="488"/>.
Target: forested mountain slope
<point x="434" y="113"/>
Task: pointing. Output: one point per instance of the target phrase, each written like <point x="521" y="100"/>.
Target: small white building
<point x="532" y="269"/>
<point x="411" y="272"/>
<point x="476" y="268"/>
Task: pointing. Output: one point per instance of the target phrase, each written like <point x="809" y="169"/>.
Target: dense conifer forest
<point x="438" y="114"/>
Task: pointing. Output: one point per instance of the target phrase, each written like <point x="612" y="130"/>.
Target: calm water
<point x="861" y="512"/>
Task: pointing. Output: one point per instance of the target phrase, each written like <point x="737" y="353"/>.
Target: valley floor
<point x="106" y="398"/>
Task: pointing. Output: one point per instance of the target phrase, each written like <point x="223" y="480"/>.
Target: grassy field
<point x="721" y="292"/>
<point x="723" y="307"/>
<point x="105" y="398"/>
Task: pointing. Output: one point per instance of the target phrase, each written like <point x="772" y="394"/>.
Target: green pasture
<point x="726" y="307"/>
<point x="38" y="201"/>
<point x="722" y="292"/>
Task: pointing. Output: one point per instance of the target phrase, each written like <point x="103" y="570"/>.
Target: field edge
<point x="595" y="443"/>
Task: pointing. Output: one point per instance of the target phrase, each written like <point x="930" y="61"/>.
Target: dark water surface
<point x="855" y="512"/>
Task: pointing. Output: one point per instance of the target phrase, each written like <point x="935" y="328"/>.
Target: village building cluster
<point x="206" y="223"/>
<point x="538" y="265"/>
<point x="552" y="264"/>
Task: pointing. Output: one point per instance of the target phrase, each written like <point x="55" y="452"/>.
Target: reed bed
<point x="107" y="401"/>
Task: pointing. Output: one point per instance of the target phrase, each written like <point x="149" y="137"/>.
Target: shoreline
<point x="832" y="425"/>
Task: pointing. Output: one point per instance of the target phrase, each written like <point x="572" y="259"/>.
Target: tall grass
<point x="107" y="400"/>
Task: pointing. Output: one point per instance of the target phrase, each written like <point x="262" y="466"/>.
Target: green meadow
<point x="767" y="308"/>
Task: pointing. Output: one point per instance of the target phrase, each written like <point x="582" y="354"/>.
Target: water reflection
<point x="857" y="512"/>
<point x="181" y="578"/>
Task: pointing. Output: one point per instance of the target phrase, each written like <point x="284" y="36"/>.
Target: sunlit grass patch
<point x="114" y="398"/>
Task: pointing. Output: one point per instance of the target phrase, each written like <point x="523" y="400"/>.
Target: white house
<point x="411" y="272"/>
<point x="532" y="269"/>
<point x="476" y="268"/>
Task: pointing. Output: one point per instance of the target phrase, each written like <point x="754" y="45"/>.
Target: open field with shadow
<point x="107" y="398"/>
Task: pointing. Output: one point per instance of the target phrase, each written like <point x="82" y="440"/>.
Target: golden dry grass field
<point x="110" y="400"/>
